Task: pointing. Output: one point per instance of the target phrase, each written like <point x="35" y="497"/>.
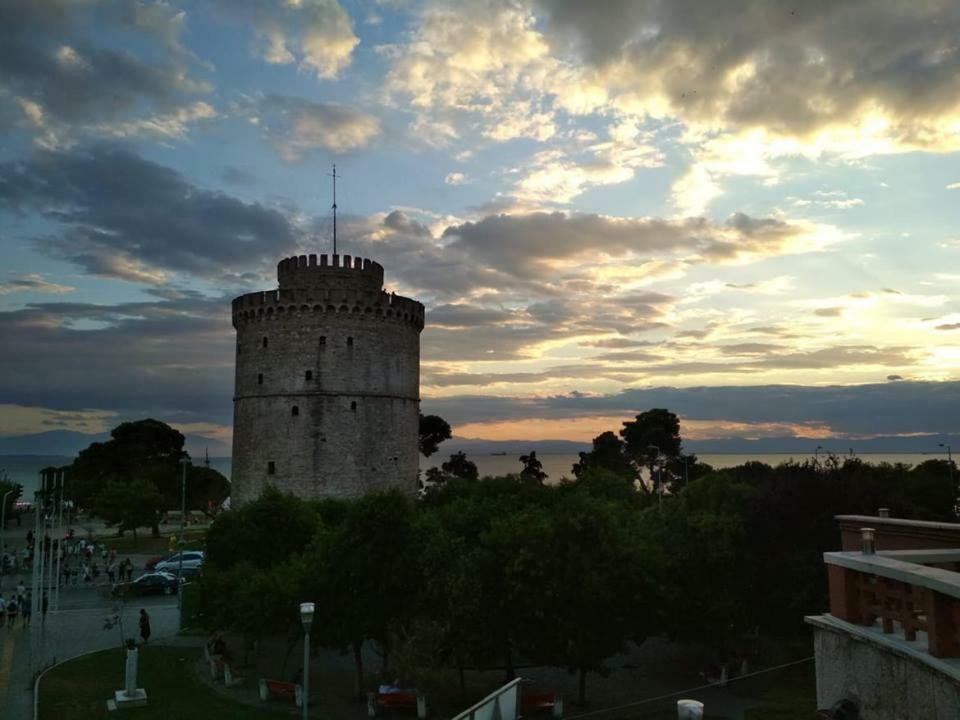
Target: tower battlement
<point x="329" y="271"/>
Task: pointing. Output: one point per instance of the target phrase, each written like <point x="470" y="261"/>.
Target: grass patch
<point x="790" y="694"/>
<point x="144" y="544"/>
<point x="79" y="689"/>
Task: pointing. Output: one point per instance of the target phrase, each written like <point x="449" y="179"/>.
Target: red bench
<point x="377" y="701"/>
<point x="276" y="689"/>
<point x="533" y="703"/>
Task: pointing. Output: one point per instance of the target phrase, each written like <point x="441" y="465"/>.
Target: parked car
<point x="192" y="559"/>
<point x="155" y="583"/>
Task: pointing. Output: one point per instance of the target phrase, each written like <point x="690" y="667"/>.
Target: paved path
<point x="77" y="628"/>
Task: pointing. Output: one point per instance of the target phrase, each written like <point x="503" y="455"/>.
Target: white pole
<point x="60" y="543"/>
<point x="183" y="518"/>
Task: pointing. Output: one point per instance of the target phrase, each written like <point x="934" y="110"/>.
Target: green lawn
<point x="144" y="544"/>
<point x="79" y="689"/>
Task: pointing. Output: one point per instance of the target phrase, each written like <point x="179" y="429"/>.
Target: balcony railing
<point x="910" y="593"/>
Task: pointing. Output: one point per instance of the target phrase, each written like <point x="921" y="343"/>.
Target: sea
<point x="25" y="469"/>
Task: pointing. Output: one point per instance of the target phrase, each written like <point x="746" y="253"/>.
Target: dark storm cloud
<point x="799" y="66"/>
<point x="174" y="358"/>
<point x="127" y="217"/>
<point x="46" y="58"/>
<point x="526" y="244"/>
<point x="887" y="409"/>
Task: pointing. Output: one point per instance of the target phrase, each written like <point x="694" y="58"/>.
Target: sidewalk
<point x="64" y="635"/>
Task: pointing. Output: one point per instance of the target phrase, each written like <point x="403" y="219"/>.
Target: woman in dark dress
<point x="144" y="626"/>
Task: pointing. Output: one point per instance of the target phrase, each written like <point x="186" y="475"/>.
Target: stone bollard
<point x="131" y="695"/>
<point x="883" y="512"/>
<point x="421" y="706"/>
<point x="558" y="706"/>
<point x="689" y="710"/>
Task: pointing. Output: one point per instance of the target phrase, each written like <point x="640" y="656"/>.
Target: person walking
<point x="44" y="604"/>
<point x="3" y="611"/>
<point x="12" y="611"/>
<point x="26" y="607"/>
<point x="144" y="625"/>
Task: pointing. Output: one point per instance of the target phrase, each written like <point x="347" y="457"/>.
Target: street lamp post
<point x="306" y="615"/>
<point x="183" y="517"/>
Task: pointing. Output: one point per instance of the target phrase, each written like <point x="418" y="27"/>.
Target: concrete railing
<point x="907" y="591"/>
<point x="502" y="704"/>
<point x="898" y="533"/>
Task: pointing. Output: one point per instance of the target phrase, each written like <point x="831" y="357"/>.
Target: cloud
<point x="455" y="178"/>
<point x="316" y="34"/>
<point x="170" y="357"/>
<point x="124" y="216"/>
<point x="954" y="186"/>
<point x="33" y="282"/>
<point x="904" y="407"/>
<point x="69" y="82"/>
<point x="296" y="127"/>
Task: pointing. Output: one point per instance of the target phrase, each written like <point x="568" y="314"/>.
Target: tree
<point x="532" y="468"/>
<point x="365" y="572"/>
<point x="652" y="440"/>
<point x="600" y="599"/>
<point x="16" y="490"/>
<point x="206" y="489"/>
<point x="433" y="431"/>
<point x="146" y="449"/>
<point x="608" y="453"/>
<point x="459" y="466"/>
<point x="273" y="527"/>
<point x="128" y="505"/>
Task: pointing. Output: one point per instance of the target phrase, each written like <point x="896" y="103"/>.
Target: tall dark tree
<point x="146" y="450"/>
<point x="608" y="453"/>
<point x="433" y="431"/>
<point x="128" y="505"/>
<point x="459" y="466"/>
<point x="653" y="441"/>
<point x="532" y="468"/>
<point x="206" y="489"/>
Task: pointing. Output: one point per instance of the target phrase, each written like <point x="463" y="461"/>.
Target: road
<point x="77" y="627"/>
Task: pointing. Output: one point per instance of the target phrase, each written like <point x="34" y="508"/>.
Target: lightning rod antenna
<point x="334" y="176"/>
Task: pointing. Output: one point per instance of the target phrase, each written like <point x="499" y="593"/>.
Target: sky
<point x="745" y="211"/>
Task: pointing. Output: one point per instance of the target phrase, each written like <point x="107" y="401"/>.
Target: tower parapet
<point x="329" y="272"/>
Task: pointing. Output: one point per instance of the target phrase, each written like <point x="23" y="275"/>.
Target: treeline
<point x="504" y="570"/>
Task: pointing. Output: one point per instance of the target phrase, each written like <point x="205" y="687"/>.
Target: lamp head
<point x="306" y="614"/>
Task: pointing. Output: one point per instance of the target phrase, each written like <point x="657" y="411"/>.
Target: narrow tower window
<point x="350" y="342"/>
<point x="353" y="405"/>
<point x="323" y="339"/>
<point x="295" y="411"/>
<point x="265" y="341"/>
<point x="271" y="467"/>
<point x="308" y="376"/>
<point x="260" y="379"/>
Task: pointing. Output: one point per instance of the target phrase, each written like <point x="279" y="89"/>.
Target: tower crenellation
<point x="327" y="382"/>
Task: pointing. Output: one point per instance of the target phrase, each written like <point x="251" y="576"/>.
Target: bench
<point x="535" y="703"/>
<point x="279" y="690"/>
<point x="415" y="701"/>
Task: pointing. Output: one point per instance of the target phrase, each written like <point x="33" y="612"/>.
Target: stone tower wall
<point x="331" y="399"/>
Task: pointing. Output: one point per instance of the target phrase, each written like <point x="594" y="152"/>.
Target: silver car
<point x="192" y="560"/>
